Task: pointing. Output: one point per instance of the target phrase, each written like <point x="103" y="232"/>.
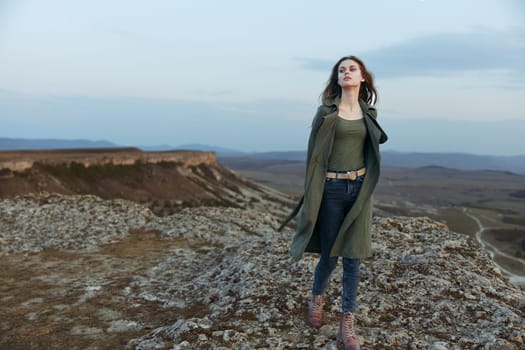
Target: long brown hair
<point x="367" y="91"/>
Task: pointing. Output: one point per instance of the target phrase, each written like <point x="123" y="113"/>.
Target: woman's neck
<point x="350" y="100"/>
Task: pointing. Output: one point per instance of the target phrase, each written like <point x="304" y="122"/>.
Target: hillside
<point x="102" y="272"/>
<point x="165" y="181"/>
<point x="81" y="272"/>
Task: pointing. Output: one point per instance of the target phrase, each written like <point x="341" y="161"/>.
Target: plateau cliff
<point x="165" y="181"/>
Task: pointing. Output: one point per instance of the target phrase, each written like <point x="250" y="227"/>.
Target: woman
<point x="342" y="170"/>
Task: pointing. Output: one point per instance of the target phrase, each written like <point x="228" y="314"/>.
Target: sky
<point x="248" y="75"/>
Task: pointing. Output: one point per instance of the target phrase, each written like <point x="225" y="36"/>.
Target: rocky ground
<point x="79" y="272"/>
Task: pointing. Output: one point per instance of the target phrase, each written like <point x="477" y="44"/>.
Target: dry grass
<point x="458" y="221"/>
<point x="45" y="304"/>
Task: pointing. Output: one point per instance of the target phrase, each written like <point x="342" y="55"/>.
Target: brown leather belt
<point x="348" y="175"/>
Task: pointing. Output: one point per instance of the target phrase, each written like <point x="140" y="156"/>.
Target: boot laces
<point x="348" y="324"/>
<point x="317" y="305"/>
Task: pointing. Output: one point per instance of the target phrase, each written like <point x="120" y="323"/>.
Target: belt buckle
<point x="352" y="174"/>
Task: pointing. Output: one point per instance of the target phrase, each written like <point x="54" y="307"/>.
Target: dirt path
<point x="499" y="257"/>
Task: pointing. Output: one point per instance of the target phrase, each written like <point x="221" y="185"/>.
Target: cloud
<point x="444" y="54"/>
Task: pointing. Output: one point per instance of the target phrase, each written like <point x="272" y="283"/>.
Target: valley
<point x="487" y="205"/>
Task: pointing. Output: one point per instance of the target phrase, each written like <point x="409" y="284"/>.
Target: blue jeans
<point x="338" y="197"/>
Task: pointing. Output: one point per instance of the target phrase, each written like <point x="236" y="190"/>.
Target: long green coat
<point x="353" y="240"/>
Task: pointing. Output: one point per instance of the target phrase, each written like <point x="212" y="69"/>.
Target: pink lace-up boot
<point x="346" y="334"/>
<point x="315" y="311"/>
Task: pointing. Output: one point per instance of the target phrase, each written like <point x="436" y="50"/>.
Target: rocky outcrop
<point x="221" y="278"/>
<point x="23" y="160"/>
<point x="165" y="181"/>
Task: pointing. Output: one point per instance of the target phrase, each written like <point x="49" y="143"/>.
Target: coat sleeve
<point x="316" y="123"/>
<point x="372" y="111"/>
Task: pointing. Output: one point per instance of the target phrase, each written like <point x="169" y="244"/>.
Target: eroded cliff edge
<point x="164" y="181"/>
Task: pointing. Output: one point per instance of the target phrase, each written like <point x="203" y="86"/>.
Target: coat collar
<point x="369" y="116"/>
<point x="367" y="109"/>
<point x="333" y="106"/>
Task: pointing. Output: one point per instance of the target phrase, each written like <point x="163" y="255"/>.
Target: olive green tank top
<point x="348" y="146"/>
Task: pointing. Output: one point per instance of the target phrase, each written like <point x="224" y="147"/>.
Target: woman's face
<point x="349" y="74"/>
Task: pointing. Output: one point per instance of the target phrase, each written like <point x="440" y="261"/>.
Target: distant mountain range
<point x="33" y="144"/>
<point x="7" y="144"/>
<point x="455" y="160"/>
<point x="461" y="161"/>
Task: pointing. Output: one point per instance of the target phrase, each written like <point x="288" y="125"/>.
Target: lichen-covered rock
<point x="230" y="283"/>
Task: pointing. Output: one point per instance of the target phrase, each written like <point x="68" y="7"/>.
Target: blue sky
<point x="248" y="74"/>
